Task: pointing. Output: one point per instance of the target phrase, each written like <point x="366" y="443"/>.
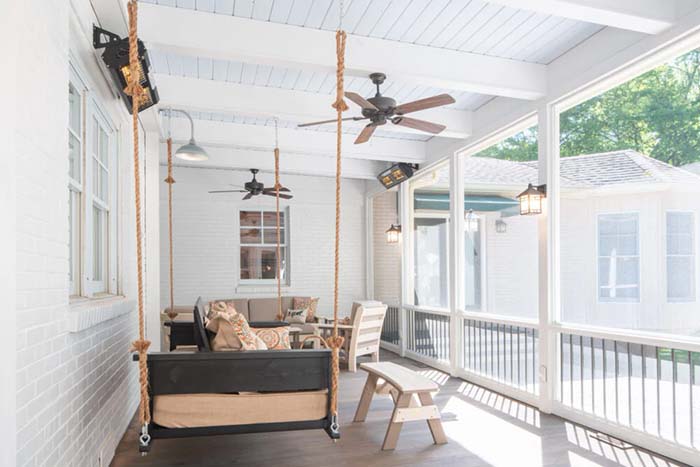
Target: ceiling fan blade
<point x="272" y="190"/>
<point x="248" y="196"/>
<point x="228" y="191"/>
<point x="302" y="125"/>
<point x="416" y="124"/>
<point x="422" y="104"/>
<point x="267" y="193"/>
<point x="361" y="101"/>
<point x="365" y="134"/>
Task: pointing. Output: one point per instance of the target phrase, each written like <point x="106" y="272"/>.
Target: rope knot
<point x="340" y="105"/>
<point x="335" y="342"/>
<point x="140" y="345"/>
<point x="169" y="180"/>
<point x="172" y="314"/>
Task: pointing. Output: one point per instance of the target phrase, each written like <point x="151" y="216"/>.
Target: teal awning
<point x="441" y="202"/>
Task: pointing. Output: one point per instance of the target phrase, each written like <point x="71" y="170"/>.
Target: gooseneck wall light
<point x="191" y="151"/>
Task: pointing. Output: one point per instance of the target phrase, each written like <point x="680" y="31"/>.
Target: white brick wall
<point x="386" y="256"/>
<point x="75" y="383"/>
<point x="206" y="240"/>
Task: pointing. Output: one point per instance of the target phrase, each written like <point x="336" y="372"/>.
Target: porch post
<point x="456" y="257"/>
<point x="548" y="252"/>
<point x="404" y="209"/>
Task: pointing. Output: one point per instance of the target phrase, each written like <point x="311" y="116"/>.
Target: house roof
<point x="584" y="171"/>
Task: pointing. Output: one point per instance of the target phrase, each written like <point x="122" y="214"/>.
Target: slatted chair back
<point x="367" y="322"/>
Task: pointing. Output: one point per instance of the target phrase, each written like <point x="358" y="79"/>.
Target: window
<point x="430" y="256"/>
<point x="680" y="257"/>
<point x="91" y="195"/>
<point x="472" y="264"/>
<point x="618" y="257"/>
<point x="258" y="240"/>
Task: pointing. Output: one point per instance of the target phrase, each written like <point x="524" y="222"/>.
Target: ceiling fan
<point x="381" y="109"/>
<point x="254" y="188"/>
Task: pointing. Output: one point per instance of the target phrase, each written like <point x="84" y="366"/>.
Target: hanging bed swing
<point x="211" y="393"/>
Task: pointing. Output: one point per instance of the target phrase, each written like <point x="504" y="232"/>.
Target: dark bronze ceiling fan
<point x="255" y="188"/>
<point x="381" y="109"/>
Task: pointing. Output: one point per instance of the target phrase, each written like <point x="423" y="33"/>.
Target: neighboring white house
<point x="628" y="241"/>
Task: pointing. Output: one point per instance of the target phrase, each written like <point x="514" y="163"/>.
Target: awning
<point x="441" y="202"/>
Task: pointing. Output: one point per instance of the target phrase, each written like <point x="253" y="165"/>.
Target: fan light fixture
<point x="396" y="174"/>
<point x="191" y="151"/>
<point x="393" y="235"/>
<point x="531" y="199"/>
<point x="116" y="58"/>
<point x="471" y="221"/>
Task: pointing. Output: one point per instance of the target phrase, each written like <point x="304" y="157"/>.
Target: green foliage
<point x="657" y="114"/>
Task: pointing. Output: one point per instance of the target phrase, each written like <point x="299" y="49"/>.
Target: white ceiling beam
<point x="647" y="16"/>
<point x="296" y="106"/>
<point x="244" y="159"/>
<point x="292" y="141"/>
<point x="224" y="37"/>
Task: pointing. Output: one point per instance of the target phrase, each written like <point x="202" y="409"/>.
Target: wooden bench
<point x="402" y="384"/>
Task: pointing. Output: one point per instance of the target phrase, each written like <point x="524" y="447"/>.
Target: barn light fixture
<point x="116" y="58"/>
<point x="531" y="199"/>
<point x="190" y="151"/>
<point x="393" y="234"/>
<point x="396" y="174"/>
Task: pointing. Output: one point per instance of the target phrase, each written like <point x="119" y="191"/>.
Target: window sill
<point x="84" y="313"/>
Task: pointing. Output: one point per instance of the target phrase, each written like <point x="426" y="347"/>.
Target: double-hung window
<point x="680" y="256"/>
<point x="618" y="257"/>
<point x="92" y="144"/>
<point x="258" y="245"/>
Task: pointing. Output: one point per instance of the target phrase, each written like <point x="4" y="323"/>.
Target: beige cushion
<point x="198" y="410"/>
<point x="265" y="309"/>
<point x="241" y="305"/>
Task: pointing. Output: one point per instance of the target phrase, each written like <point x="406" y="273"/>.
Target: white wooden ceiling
<point x="236" y="65"/>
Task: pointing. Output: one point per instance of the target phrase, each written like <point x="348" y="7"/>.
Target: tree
<point x="657" y="114"/>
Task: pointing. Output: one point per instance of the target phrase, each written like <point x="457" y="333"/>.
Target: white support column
<point x="151" y="210"/>
<point x="406" y="221"/>
<point x="548" y="248"/>
<point x="369" y="249"/>
<point x="456" y="260"/>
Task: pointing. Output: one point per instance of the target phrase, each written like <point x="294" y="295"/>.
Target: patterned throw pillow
<point x="221" y="306"/>
<point x="274" y="338"/>
<point x="306" y="302"/>
<point x="296" y="316"/>
<point x="232" y="332"/>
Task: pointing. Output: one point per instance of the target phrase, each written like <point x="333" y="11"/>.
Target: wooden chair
<point x="362" y="335"/>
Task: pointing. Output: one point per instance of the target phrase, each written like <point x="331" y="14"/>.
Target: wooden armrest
<point x="330" y="326"/>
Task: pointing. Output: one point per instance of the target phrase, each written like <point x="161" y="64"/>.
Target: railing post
<point x="406" y="266"/>
<point x="456" y="261"/>
<point x="548" y="254"/>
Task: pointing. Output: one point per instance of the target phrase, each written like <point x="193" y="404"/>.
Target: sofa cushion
<point x="307" y="302"/>
<point x="296" y="316"/>
<point x="265" y="309"/>
<point x="240" y="304"/>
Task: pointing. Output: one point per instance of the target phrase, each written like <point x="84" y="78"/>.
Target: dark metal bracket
<point x="97" y="37"/>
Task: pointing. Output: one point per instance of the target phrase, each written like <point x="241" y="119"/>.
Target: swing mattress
<point x="205" y="410"/>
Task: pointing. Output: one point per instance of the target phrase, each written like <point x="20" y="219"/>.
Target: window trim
<point x="426" y="214"/>
<point x="76" y="253"/>
<point x="87" y="289"/>
<point x="694" y="256"/>
<point x="610" y="301"/>
<point x="285" y="243"/>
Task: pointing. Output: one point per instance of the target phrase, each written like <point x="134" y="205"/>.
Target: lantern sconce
<point x="471" y="221"/>
<point x="531" y="199"/>
<point x="501" y="226"/>
<point x="393" y="235"/>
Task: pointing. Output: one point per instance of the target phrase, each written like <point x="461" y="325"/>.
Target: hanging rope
<point x="170" y="180"/>
<point x="280" y="315"/>
<point x="141" y="345"/>
<point x="335" y="342"/>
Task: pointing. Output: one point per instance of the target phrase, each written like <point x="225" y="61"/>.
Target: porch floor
<point x="484" y="428"/>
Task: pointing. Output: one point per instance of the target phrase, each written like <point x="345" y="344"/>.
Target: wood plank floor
<point x="483" y="428"/>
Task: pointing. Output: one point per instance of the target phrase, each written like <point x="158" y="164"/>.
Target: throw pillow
<point x="307" y="302"/>
<point x="220" y="306"/>
<point x="274" y="338"/>
<point x="296" y="316"/>
<point x="232" y="332"/>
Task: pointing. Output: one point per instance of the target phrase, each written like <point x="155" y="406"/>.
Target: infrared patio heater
<point x="116" y="58"/>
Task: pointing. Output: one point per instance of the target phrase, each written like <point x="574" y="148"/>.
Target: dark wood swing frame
<point x="205" y="371"/>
